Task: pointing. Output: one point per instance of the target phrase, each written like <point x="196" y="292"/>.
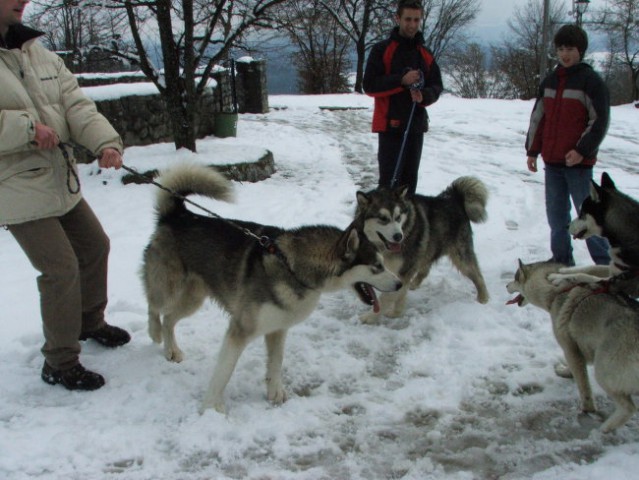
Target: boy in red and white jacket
<point x="567" y="125"/>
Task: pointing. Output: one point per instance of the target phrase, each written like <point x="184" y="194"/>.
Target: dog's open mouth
<point x="519" y="299"/>
<point x="394" y="247"/>
<point x="367" y="295"/>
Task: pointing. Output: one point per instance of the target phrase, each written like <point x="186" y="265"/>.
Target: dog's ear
<point x="362" y="198"/>
<point x="606" y="182"/>
<point x="595" y="191"/>
<point x="352" y="244"/>
<point x="520" y="275"/>
<point x="402" y="192"/>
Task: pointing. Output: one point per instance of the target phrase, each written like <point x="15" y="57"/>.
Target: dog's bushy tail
<point x="475" y="195"/>
<point x="188" y="179"/>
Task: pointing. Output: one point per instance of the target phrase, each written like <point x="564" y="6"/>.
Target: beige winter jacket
<point x="35" y="86"/>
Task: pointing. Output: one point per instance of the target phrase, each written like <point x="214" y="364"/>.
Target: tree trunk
<point x="359" y="72"/>
<point x="182" y="116"/>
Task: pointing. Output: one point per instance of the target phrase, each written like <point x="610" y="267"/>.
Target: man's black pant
<point x="388" y="153"/>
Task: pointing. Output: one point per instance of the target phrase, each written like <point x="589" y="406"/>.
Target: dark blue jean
<point x="562" y="184"/>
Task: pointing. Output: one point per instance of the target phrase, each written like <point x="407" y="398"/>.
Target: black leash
<point x="267" y="243"/>
<point x="264" y="241"/>
<point x="400" y="158"/>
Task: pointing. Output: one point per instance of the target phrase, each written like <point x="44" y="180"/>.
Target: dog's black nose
<point x="398" y="237"/>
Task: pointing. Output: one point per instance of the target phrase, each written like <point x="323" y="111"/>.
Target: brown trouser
<point x="71" y="253"/>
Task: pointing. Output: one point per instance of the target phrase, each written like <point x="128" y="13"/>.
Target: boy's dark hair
<point x="402" y="4"/>
<point x="572" y="36"/>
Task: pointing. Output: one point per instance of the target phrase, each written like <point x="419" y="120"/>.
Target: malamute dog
<point x="590" y="327"/>
<point x="414" y="232"/>
<point x="609" y="213"/>
<point x="265" y="289"/>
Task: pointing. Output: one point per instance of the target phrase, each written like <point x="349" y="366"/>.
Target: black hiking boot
<point x="74" y="378"/>
<point x="109" y="336"/>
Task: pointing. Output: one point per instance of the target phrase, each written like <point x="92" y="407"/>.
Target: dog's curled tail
<point x="188" y="179"/>
<point x="475" y="195"/>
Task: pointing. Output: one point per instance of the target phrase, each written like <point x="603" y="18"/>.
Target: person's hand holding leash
<point x="46" y="137"/>
<point x="411" y="77"/>
<point x="110" y="158"/>
<point x="532" y="164"/>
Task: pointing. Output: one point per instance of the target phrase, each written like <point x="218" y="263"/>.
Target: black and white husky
<point x="611" y="214"/>
<point x="415" y="231"/>
<point x="266" y="289"/>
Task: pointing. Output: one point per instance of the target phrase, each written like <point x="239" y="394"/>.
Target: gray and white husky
<point x="592" y="328"/>
<point x="611" y="214"/>
<point x="416" y="231"/>
<point x="266" y="287"/>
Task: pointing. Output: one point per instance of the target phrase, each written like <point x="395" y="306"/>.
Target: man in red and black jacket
<point x="400" y="72"/>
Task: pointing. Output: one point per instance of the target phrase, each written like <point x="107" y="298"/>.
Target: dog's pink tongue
<point x="514" y="301"/>
<point x="376" y="308"/>
<point x="395" y="247"/>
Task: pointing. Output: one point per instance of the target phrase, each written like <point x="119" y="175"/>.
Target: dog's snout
<point x="398" y="285"/>
<point x="398" y="237"/>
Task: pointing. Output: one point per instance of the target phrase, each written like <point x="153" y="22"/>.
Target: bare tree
<point x="194" y="36"/>
<point x="620" y="22"/>
<point x="321" y="55"/>
<point x="75" y="26"/>
<point x="364" y="22"/>
<point x="467" y="67"/>
<point x="518" y="57"/>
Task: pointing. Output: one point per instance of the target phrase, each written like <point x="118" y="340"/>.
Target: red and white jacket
<point x="572" y="111"/>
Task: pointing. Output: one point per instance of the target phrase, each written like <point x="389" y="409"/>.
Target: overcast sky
<point x="493" y="15"/>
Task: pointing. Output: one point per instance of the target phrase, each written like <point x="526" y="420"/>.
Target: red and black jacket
<point x="387" y="63"/>
<point x="572" y="112"/>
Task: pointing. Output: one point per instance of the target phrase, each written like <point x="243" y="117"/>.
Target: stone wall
<point x="143" y="119"/>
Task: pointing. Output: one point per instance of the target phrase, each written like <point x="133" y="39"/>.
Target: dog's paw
<point x="174" y="355"/>
<point x="217" y="405"/>
<point x="483" y="297"/>
<point x="277" y="396"/>
<point x="558" y="279"/>
<point x="562" y="370"/>
<point x="369" y="318"/>
<point x="155" y="334"/>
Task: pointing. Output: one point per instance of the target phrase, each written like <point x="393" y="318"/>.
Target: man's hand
<point x="110" y="158"/>
<point x="411" y="77"/>
<point x="416" y="96"/>
<point x="46" y="138"/>
<point x="532" y="164"/>
<point x="573" y="157"/>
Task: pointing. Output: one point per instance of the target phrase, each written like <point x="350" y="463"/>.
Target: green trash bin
<point x="225" y="124"/>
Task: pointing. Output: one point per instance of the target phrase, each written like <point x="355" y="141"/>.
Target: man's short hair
<point x="414" y="4"/>
<point x="572" y="36"/>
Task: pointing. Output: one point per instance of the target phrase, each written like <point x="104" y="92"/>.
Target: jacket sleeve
<point x="88" y="127"/>
<point x="17" y="131"/>
<point x="598" y="108"/>
<point x="536" y="126"/>
<point x="376" y="82"/>
<point x="433" y="85"/>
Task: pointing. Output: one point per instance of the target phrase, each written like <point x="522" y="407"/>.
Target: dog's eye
<point x="377" y="268"/>
<point x="384" y="220"/>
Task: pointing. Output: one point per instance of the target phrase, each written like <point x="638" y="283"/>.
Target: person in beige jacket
<point x="42" y="109"/>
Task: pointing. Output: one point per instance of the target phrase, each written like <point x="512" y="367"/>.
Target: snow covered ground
<point x="453" y="390"/>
